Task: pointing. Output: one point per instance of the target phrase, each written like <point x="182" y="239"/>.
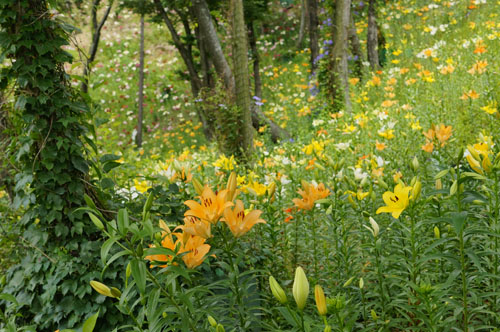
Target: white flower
<point x="317" y="123"/>
<point x="343" y="146"/>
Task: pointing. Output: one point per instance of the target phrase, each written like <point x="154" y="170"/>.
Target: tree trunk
<point x="339" y="69"/>
<point x="303" y="24"/>
<point x="355" y="48"/>
<point x="313" y="32"/>
<point x="256" y="61"/>
<point x="212" y="44"/>
<point x="185" y="52"/>
<point x="372" y="39"/>
<point x="96" y="37"/>
<point x="138" y="137"/>
<point x="259" y="119"/>
<point x="241" y="77"/>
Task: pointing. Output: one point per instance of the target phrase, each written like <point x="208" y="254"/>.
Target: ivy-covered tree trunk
<point x="51" y="281"/>
<point x="242" y="79"/>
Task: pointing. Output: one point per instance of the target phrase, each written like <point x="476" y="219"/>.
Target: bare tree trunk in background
<point x="313" y="31"/>
<point x="372" y="39"/>
<point x="206" y="64"/>
<point x="303" y="24"/>
<point x="339" y="73"/>
<point x="96" y="36"/>
<point x="241" y="77"/>
<point x="138" y="137"/>
<point x="256" y="61"/>
<point x="185" y="52"/>
<point x="356" y="48"/>
<point x="212" y="44"/>
<point x="214" y="50"/>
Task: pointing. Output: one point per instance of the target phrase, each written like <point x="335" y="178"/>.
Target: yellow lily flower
<point x="397" y="201"/>
<point x="141" y="186"/>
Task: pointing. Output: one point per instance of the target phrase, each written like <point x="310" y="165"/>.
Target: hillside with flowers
<point x="363" y="199"/>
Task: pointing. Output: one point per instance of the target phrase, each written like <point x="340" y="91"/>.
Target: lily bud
<point x="319" y="296"/>
<point x="271" y="190"/>
<point x="416" y="189"/>
<point x="486" y="164"/>
<point x="364" y="182"/>
<point x="97" y="222"/>
<point x="374" y="315"/>
<point x="212" y="321"/>
<point x="220" y="328"/>
<point x="231" y="186"/>
<point x="348" y="282"/>
<point x="128" y="271"/>
<point x="198" y="187"/>
<point x="474" y="163"/>
<point x="300" y="288"/>
<point x="454" y="188"/>
<point x="352" y="202"/>
<point x="414" y="164"/>
<point x="361" y="283"/>
<point x="437" y="233"/>
<point x="341" y="163"/>
<point x="460" y="155"/>
<point x="277" y="291"/>
<point x="101" y="288"/>
<point x="382" y="183"/>
<point x="116" y="292"/>
<point x="375" y="227"/>
<point x="439" y="184"/>
<point x="473" y="152"/>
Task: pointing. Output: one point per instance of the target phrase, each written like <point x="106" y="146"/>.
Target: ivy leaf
<point x="80" y="164"/>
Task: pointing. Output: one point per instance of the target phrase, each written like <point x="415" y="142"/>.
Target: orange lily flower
<point x="197" y="227"/>
<point x="196" y="249"/>
<point x="166" y="242"/>
<point x="240" y="223"/>
<point x="443" y="133"/>
<point x="212" y="206"/>
<point x="310" y="195"/>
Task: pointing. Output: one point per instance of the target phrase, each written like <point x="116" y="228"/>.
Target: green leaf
<point x="109" y="166"/>
<point x="458" y="220"/>
<point x="123" y="221"/>
<point x="89" y="324"/>
<point x="109" y="157"/>
<point x="159" y="251"/>
<point x="139" y="274"/>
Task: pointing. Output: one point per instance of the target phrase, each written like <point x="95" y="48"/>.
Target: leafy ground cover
<point x="393" y="210"/>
